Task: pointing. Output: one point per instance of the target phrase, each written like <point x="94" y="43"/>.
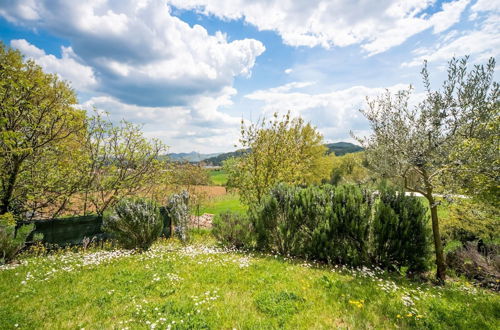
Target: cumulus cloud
<point x="334" y="113"/>
<point x="200" y="126"/>
<point x="68" y="67"/>
<point x="376" y="25"/>
<point x="141" y="52"/>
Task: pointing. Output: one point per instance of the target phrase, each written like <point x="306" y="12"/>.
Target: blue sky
<point x="190" y="70"/>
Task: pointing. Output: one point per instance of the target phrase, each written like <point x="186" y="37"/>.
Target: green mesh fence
<point x="72" y="230"/>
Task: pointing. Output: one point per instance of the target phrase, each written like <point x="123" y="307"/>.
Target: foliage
<point x="178" y="208"/>
<point x="39" y="124"/>
<point x="324" y="223"/>
<point x="281" y="150"/>
<point x="134" y="223"/>
<point x="52" y="155"/>
<point x="414" y="144"/>
<point x="470" y="220"/>
<point x="342" y="237"/>
<point x="122" y="162"/>
<point x="400" y="232"/>
<point x="233" y="229"/>
<point x="351" y="169"/>
<point x="187" y="175"/>
<point x="285" y="218"/>
<point x="474" y="162"/>
<point x="342" y="225"/>
<point x="11" y="241"/>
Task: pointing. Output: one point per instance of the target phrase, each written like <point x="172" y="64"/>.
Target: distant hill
<point x="192" y="157"/>
<point x="342" y="148"/>
<point x="339" y="148"/>
<point x="217" y="160"/>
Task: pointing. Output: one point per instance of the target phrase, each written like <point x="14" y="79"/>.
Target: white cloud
<point x="376" y="25"/>
<point x="200" y="126"/>
<point x="68" y="67"/>
<point x="335" y="113"/>
<point x="140" y="52"/>
<point x="481" y="42"/>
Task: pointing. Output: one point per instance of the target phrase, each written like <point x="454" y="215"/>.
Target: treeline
<point x="337" y="148"/>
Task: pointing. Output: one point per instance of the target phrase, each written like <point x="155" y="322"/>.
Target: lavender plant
<point x="179" y="213"/>
<point x="134" y="223"/>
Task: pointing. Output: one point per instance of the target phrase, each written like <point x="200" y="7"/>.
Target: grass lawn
<point x="219" y="204"/>
<point x="218" y="177"/>
<point x="200" y="286"/>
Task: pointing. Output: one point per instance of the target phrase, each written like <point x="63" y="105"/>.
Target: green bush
<point x="400" y="232"/>
<point x="11" y="242"/>
<point x="325" y="223"/>
<point x="342" y="234"/>
<point x="284" y="219"/>
<point x="233" y="229"/>
<point x="335" y="224"/>
<point x="134" y="223"/>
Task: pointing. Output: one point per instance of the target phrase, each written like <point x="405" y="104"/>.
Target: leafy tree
<point x="281" y="150"/>
<point x="415" y="143"/>
<point x="475" y="169"/>
<point x="37" y="115"/>
<point x="470" y="220"/>
<point x="122" y="162"/>
<point x="350" y="168"/>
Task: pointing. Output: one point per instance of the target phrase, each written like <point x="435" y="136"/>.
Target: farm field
<point x="218" y="177"/>
<point x="201" y="286"/>
<point x="222" y="203"/>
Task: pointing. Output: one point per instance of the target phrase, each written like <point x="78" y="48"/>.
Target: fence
<point x="72" y="230"/>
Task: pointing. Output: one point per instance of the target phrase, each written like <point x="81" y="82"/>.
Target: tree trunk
<point x="438" y="245"/>
<point x="11" y="182"/>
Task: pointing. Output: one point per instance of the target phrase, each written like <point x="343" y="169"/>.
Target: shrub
<point x="341" y="236"/>
<point x="285" y="218"/>
<point x="233" y="229"/>
<point x="134" y="223"/>
<point x="400" y="232"/>
<point x="11" y="242"/>
<point x="179" y="213"/>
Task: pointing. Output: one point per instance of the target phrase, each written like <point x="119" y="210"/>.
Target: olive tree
<point x="415" y="144"/>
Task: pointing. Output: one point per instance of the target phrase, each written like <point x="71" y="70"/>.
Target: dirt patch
<point x="202" y="221"/>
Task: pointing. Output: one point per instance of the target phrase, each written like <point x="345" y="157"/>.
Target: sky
<point x="189" y="71"/>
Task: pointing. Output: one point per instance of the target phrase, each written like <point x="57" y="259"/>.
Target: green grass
<point x="218" y="177"/>
<point x="228" y="202"/>
<point x="201" y="287"/>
